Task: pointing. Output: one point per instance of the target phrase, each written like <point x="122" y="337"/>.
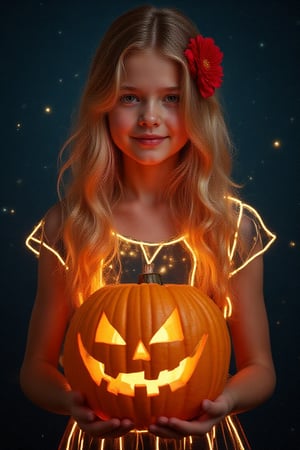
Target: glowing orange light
<point x="107" y="334"/>
<point x="125" y="383"/>
<point x="276" y="143"/>
<point x="227" y="310"/>
<point x="170" y="331"/>
<point x="141" y="353"/>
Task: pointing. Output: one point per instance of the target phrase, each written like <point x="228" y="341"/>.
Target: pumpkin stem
<point x="148" y="276"/>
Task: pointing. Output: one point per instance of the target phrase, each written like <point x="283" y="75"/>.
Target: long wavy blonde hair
<point x="90" y="176"/>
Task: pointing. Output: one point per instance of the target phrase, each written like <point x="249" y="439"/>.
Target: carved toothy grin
<point x="125" y="383"/>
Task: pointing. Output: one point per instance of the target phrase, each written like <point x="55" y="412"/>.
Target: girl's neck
<point x="144" y="221"/>
<point x="143" y="211"/>
<point x="146" y="183"/>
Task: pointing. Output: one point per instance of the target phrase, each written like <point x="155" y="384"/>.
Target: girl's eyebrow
<point x="135" y="89"/>
<point x="128" y="88"/>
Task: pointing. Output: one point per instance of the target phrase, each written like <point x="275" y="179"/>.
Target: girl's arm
<point x="40" y="377"/>
<point x="254" y="381"/>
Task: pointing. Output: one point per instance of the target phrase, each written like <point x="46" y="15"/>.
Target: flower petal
<point x="204" y="61"/>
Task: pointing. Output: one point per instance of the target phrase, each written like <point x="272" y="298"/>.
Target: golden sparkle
<point x="276" y="143"/>
<point x="9" y="211"/>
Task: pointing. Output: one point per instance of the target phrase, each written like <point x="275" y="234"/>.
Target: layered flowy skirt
<point x="227" y="435"/>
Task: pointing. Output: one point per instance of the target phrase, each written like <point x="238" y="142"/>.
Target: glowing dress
<point x="175" y="261"/>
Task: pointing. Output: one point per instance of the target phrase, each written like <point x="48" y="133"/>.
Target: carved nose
<point x="141" y="352"/>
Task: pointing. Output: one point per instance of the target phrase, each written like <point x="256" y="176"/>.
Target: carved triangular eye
<point x="170" y="331"/>
<point x="107" y="334"/>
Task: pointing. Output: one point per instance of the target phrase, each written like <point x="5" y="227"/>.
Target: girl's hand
<point x="91" y="424"/>
<point x="212" y="413"/>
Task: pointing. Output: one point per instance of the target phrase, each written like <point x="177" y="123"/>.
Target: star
<point x="276" y="143"/>
<point x="9" y="211"/>
<point x="47" y="110"/>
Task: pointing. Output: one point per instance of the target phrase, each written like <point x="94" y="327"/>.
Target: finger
<point x="77" y="398"/>
<point x="160" y="428"/>
<point x="99" y="428"/>
<point x="125" y="426"/>
<point x="189" y="427"/>
<point x="195" y="427"/>
<point x="111" y="428"/>
<point x="169" y="428"/>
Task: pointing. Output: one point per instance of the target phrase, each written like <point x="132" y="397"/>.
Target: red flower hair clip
<point x="204" y="61"/>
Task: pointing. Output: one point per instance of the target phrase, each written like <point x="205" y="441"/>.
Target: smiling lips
<point x="149" y="140"/>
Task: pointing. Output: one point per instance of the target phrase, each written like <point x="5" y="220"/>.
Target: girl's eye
<point x="128" y="98"/>
<point x="172" y="98"/>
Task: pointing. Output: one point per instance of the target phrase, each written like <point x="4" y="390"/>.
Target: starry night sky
<point x="46" y="49"/>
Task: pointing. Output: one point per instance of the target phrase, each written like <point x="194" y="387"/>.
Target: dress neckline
<point x="154" y="244"/>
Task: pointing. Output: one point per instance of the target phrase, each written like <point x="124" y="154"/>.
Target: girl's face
<point x="146" y="123"/>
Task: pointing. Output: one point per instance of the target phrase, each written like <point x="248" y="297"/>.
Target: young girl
<point x="145" y="178"/>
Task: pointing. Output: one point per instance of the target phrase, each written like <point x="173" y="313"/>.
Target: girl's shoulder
<point x="53" y="223"/>
<point x="48" y="233"/>
<point x="252" y="237"/>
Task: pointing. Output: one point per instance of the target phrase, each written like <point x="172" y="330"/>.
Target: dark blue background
<point x="46" y="49"/>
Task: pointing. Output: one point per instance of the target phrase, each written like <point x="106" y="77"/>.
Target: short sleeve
<point x="37" y="239"/>
<point x="252" y="237"/>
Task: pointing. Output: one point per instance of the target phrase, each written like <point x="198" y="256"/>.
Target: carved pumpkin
<point x="146" y="350"/>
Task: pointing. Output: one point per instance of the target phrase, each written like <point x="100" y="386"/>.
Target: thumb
<point x="77" y="397"/>
<point x="216" y="408"/>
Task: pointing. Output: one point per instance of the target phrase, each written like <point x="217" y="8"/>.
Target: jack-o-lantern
<point x="140" y="351"/>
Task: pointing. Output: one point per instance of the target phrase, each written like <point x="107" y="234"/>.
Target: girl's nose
<point x="149" y="117"/>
